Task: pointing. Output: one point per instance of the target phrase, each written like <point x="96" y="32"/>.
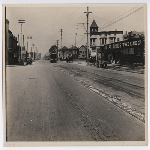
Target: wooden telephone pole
<point x="57" y="50"/>
<point x="21" y="21"/>
<point x="61" y="42"/>
<point x="87" y="14"/>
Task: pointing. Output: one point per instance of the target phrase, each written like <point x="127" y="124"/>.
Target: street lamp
<point x="21" y="21"/>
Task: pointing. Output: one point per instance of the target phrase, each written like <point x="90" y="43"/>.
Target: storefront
<point x="129" y="51"/>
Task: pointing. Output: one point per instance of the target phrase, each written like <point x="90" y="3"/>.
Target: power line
<point x="74" y="23"/>
<point x="81" y="39"/>
<point x="113" y="19"/>
<point x="113" y="22"/>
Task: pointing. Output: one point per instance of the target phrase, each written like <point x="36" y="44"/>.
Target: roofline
<point x="83" y="46"/>
<point x="108" y="32"/>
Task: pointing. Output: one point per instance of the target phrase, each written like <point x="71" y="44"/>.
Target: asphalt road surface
<point x="45" y="104"/>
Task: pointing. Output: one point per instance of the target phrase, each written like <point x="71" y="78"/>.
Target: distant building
<point x="133" y="35"/>
<point x="11" y="51"/>
<point x="65" y="52"/>
<point x="38" y="56"/>
<point x="46" y="57"/>
<point x="24" y="55"/>
<point x="82" y="52"/>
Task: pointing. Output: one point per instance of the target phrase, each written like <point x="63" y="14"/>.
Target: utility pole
<point x="75" y="39"/>
<point x="6" y="54"/>
<point x="57" y="50"/>
<point x="72" y="52"/>
<point x="21" y="21"/>
<point x="61" y="41"/>
<point x="33" y="50"/>
<point x="87" y="14"/>
<point x="19" y="47"/>
<point x="75" y="45"/>
<point x="29" y="45"/>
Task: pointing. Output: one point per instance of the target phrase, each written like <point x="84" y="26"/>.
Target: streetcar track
<point x="101" y="79"/>
<point x="131" y="112"/>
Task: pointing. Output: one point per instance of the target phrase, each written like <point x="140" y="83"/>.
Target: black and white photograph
<point x="75" y="74"/>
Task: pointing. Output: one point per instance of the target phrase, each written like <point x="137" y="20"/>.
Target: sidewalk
<point x="118" y="67"/>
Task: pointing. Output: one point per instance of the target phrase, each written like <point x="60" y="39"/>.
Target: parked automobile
<point x="92" y="59"/>
<point x="101" y="63"/>
<point x="29" y="61"/>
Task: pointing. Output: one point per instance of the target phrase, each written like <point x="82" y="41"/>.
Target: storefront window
<point x="138" y="52"/>
<point x="128" y="51"/>
<point x="131" y="50"/>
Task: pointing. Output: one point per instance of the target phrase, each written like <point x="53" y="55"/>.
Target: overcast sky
<point x="44" y="23"/>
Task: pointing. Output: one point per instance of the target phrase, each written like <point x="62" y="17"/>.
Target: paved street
<point x="53" y="102"/>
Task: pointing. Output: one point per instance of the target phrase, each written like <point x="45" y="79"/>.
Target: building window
<point x="139" y="52"/>
<point x="90" y="42"/>
<point x="102" y="41"/>
<point x="117" y="39"/>
<point x="93" y="41"/>
<point x="128" y="51"/>
<point x="111" y="40"/>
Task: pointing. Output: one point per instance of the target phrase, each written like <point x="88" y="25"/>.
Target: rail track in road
<point x="129" y="88"/>
<point x="85" y="77"/>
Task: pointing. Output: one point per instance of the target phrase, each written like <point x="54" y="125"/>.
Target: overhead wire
<point x="113" y="21"/>
<point x="94" y="15"/>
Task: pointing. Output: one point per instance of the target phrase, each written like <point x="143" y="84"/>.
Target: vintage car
<point x="102" y="64"/>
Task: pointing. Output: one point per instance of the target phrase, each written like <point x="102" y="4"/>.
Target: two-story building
<point x="99" y="39"/>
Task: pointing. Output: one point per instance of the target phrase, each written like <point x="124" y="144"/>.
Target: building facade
<point x="11" y="50"/>
<point x="65" y="52"/>
<point x="99" y="39"/>
<point x="114" y="47"/>
<point x="38" y="56"/>
<point x="82" y="52"/>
